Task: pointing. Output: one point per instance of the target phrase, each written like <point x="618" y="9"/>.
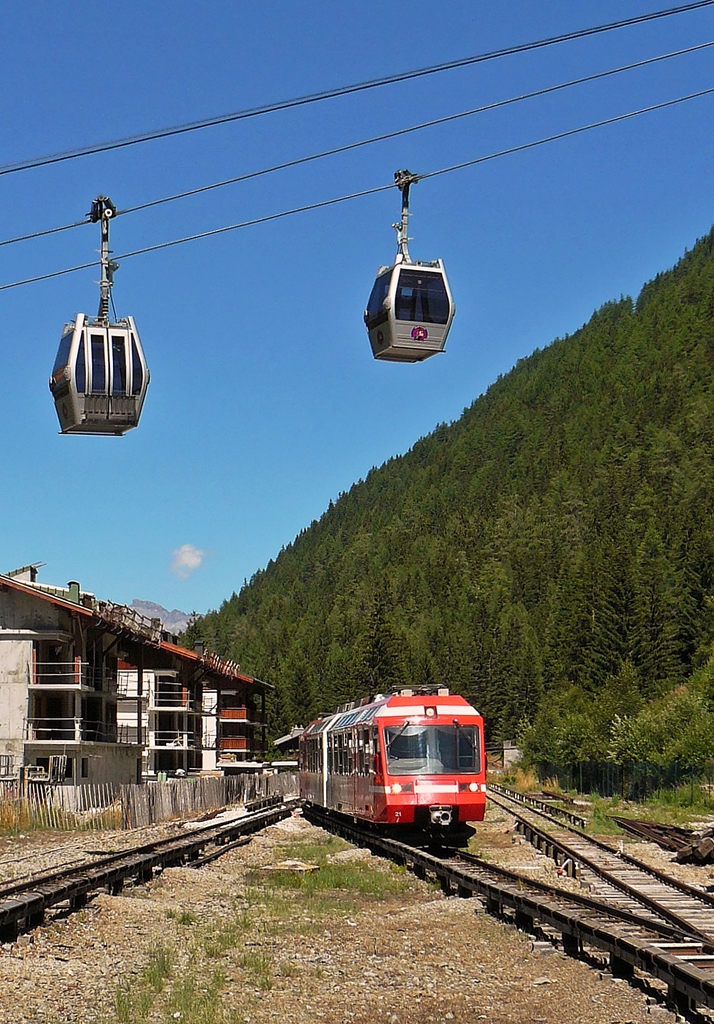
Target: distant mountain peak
<point x="174" y="621"/>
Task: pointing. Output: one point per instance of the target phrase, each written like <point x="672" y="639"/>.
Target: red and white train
<point x="413" y="758"/>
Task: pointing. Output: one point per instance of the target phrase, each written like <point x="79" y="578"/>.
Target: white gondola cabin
<point x="410" y="309"/>
<point x="100" y="375"/>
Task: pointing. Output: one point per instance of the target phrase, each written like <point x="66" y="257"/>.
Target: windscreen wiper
<point x="471" y="739"/>
<point x="396" y="736"/>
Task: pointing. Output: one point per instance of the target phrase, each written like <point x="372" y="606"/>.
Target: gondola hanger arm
<point x="103" y="210"/>
<point x="403" y="180"/>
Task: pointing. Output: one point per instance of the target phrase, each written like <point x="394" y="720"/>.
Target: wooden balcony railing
<point x="233" y="743"/>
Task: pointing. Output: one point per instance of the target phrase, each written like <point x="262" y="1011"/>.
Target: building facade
<point x="93" y="692"/>
<point x="221" y="728"/>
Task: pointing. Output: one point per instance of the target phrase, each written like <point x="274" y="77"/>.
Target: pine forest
<point x="550" y="555"/>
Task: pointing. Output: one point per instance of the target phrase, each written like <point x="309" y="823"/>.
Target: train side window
<point x="365" y="751"/>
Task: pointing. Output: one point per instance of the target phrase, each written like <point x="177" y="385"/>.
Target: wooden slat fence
<point x="25" y="806"/>
<point x="180" y="798"/>
<point x="69" y="808"/>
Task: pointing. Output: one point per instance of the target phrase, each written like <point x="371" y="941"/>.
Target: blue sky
<point x="265" y="402"/>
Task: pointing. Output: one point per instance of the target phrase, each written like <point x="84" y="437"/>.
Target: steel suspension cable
<point x="346" y="90"/>
<point x="536" y="93"/>
<point x="372" y="191"/>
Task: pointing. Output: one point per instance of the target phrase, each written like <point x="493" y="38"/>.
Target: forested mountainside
<point x="559" y="535"/>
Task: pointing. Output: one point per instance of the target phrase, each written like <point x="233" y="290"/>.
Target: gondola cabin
<point x="409" y="312"/>
<point x="100" y="377"/>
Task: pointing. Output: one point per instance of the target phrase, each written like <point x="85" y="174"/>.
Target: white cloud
<point x="186" y="560"/>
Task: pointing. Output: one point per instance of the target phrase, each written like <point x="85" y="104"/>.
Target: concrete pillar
<point x="77" y="716"/>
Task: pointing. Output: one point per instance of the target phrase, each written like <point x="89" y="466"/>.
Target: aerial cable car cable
<point x="417" y="127"/>
<point x="46" y="231"/>
<point x="536" y="93"/>
<point x="345" y="90"/>
<point x="522" y="147"/>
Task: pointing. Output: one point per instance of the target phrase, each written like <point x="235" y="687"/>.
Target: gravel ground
<point x="233" y="943"/>
<point x="26" y="855"/>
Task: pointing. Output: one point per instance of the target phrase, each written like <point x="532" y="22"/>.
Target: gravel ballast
<point x="355" y="940"/>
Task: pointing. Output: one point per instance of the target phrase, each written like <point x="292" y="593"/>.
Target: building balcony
<point x="168" y="702"/>
<point x="233" y="743"/>
<point x="72" y="675"/>
<point x="248" y="715"/>
<point x="68" y="730"/>
<point x="172" y="740"/>
<point x="130" y="734"/>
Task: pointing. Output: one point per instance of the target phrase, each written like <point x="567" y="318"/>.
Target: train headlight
<point x="473" y="786"/>
<point x="396" y="787"/>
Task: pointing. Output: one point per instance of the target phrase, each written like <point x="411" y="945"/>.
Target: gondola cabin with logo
<point x="410" y="308"/>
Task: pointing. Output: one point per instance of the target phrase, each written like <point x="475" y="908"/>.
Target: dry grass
<point x="18" y="814"/>
<point x="525" y="780"/>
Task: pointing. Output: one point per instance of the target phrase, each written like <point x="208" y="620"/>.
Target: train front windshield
<point x="432" y="750"/>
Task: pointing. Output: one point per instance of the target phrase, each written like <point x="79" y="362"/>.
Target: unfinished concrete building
<point x="68" y="712"/>
<point x="221" y="728"/>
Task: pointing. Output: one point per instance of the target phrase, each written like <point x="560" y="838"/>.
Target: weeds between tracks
<point x="211" y="969"/>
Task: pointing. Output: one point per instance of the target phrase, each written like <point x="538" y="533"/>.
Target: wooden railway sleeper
<point x="571" y="943"/>
<point x="526" y="922"/>
<point x="494" y="906"/>
<point x="9" y="932"/>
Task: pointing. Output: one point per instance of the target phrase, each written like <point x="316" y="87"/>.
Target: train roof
<point x="396" y="705"/>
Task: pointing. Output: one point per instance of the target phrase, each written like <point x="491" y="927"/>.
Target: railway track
<point x="667" y="837"/>
<point x="630" y="935"/>
<point x="613" y="875"/>
<point x="24" y="903"/>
